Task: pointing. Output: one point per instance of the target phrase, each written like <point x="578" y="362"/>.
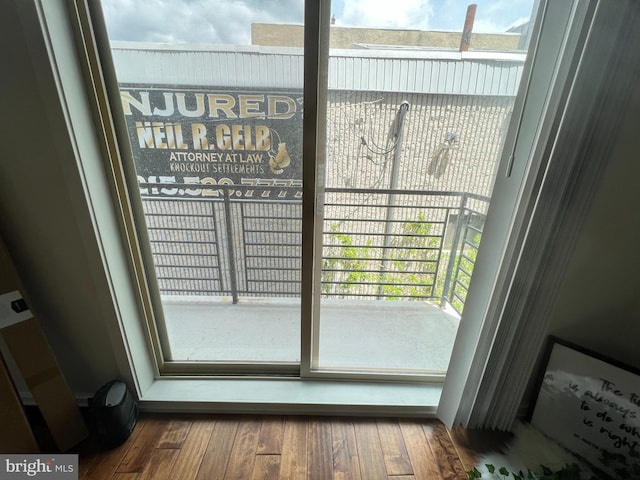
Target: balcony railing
<point x="239" y="241"/>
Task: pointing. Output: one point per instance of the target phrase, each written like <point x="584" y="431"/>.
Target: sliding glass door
<point x="312" y="180"/>
<point x="215" y="134"/>
<point x="416" y="124"/>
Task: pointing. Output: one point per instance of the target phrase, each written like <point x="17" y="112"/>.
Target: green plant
<point x="414" y="265"/>
<point x="464" y="264"/>
<point x="409" y="265"/>
<point x="347" y="263"/>
<point x="568" y="472"/>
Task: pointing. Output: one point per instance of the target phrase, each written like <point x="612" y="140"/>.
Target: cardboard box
<point x="15" y="432"/>
<point x="34" y="358"/>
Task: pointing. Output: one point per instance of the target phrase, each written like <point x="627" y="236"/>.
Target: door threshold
<point x="291" y="396"/>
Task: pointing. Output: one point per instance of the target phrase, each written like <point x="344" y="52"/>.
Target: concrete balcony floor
<point x="354" y="334"/>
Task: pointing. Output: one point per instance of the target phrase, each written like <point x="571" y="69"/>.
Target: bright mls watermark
<point x="52" y="467"/>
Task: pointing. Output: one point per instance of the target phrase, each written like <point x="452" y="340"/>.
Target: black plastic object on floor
<point x="113" y="413"/>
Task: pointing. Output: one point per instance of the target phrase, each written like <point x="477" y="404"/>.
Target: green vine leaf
<point x="568" y="472"/>
<point x="473" y="474"/>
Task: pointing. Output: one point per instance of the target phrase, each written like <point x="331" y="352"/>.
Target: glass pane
<point x="215" y="128"/>
<point x="418" y="106"/>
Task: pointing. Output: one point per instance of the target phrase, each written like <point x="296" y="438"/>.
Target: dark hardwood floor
<point x="220" y="447"/>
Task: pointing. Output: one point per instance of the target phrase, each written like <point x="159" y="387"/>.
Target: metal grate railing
<point x="385" y="244"/>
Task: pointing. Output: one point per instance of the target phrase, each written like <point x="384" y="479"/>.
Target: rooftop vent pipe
<point x="465" y="40"/>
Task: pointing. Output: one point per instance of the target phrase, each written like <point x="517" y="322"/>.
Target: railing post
<point x="232" y="250"/>
<point x="453" y="252"/>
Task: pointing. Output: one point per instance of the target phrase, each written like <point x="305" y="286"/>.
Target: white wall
<point x="44" y="218"/>
<point x="598" y="305"/>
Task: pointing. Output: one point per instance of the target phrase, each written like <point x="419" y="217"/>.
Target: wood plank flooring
<point x="219" y="447"/>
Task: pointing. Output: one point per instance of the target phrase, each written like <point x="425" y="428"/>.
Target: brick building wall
<point x="265" y="34"/>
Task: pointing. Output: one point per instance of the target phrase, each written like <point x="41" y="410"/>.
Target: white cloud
<point x="195" y="21"/>
<point x="414" y="14"/>
<point x="216" y="21"/>
<point x="499" y="15"/>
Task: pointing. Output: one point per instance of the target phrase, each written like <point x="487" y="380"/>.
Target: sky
<point x="229" y="22"/>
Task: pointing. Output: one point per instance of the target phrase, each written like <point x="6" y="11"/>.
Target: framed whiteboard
<point x="591" y="406"/>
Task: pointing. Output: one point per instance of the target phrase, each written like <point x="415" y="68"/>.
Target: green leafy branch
<point x="568" y="472"/>
<point x="359" y="265"/>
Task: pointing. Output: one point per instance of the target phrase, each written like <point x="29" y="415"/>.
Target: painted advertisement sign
<point x="187" y="141"/>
